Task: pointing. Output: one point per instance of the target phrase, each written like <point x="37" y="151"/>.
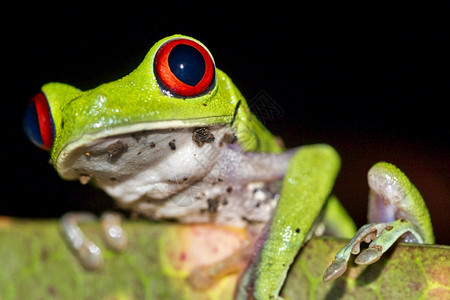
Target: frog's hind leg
<point x="396" y="211"/>
<point x="86" y="251"/>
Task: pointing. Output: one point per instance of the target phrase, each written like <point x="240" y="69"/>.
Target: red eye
<point x="38" y="122"/>
<point x="184" y="68"/>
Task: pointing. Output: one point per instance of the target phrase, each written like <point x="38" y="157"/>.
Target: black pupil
<point x="187" y="64"/>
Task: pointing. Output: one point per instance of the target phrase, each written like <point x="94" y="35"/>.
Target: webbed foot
<point x="381" y="237"/>
<point x="397" y="211"/>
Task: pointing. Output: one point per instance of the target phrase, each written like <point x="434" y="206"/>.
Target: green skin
<point x="135" y="103"/>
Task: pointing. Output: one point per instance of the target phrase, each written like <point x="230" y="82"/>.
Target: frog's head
<point x="176" y="86"/>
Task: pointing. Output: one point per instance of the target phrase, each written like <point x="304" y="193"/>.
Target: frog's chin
<point x="107" y="151"/>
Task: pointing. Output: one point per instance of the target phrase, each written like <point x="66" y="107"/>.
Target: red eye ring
<point x="184" y="68"/>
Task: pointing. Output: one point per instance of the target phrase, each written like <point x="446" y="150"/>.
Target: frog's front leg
<point x="306" y="187"/>
<point x="86" y="251"/>
<point x="396" y="212"/>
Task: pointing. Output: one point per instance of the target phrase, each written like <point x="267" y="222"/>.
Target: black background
<point x="371" y="80"/>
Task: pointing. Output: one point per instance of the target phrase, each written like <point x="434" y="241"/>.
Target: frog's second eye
<point x="38" y="122"/>
<point x="184" y="68"/>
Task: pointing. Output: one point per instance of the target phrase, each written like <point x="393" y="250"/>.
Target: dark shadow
<point x="338" y="290"/>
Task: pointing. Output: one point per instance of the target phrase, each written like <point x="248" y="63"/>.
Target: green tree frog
<point x="175" y="140"/>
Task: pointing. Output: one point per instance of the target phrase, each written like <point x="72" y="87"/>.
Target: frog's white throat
<point x="119" y="157"/>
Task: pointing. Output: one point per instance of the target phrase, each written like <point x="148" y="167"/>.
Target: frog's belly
<point x="193" y="195"/>
<point x="222" y="204"/>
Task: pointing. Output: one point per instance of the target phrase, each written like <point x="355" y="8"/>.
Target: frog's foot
<point x="396" y="212"/>
<point x="381" y="237"/>
<point x="86" y="251"/>
<point x="204" y="277"/>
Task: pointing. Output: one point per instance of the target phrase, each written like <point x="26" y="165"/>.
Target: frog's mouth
<point x="79" y="158"/>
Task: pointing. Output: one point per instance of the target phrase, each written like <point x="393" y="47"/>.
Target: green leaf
<point x="36" y="264"/>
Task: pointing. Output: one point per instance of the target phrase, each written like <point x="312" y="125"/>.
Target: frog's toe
<point x="335" y="270"/>
<point x="86" y="251"/>
<point x="368" y="256"/>
<point x="114" y="235"/>
<point x="90" y="256"/>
